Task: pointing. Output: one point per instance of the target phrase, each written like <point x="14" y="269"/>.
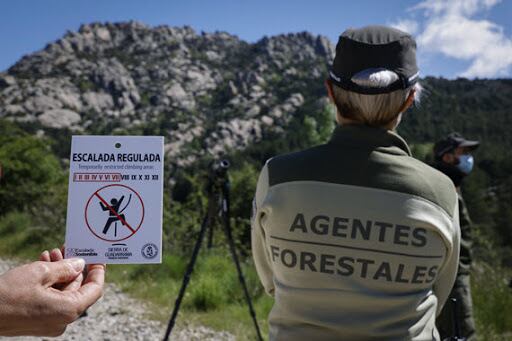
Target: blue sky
<point x="470" y="38"/>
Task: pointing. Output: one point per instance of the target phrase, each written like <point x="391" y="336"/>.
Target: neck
<point x="451" y="171"/>
<point x="344" y="121"/>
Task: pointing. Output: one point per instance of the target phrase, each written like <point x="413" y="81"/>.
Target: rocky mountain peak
<point x="207" y="92"/>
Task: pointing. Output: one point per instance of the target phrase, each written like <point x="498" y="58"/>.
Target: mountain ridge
<point x="127" y="74"/>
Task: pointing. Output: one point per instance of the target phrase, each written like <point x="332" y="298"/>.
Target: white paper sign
<point x="115" y="199"/>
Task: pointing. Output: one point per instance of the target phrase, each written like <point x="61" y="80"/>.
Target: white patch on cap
<point x="375" y="78"/>
<point x="336" y="78"/>
<point x="413" y="77"/>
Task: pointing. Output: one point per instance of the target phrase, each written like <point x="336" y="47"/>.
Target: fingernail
<point x="77" y="263"/>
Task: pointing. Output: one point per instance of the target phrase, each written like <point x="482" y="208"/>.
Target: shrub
<point x="208" y="292"/>
<point x="14" y="222"/>
<point x="492" y="299"/>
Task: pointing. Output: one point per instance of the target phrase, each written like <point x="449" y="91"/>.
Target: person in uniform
<point x="355" y="239"/>
<point x="453" y="157"/>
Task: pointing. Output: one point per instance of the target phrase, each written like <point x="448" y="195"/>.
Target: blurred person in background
<point x="453" y="156"/>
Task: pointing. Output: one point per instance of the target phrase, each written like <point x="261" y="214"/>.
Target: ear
<point x="409" y="101"/>
<point x="328" y="87"/>
<point x="447" y="158"/>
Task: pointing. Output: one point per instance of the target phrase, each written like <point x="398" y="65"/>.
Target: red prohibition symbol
<point x="114" y="213"/>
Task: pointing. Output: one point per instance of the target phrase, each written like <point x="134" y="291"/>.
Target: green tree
<point x="29" y="167"/>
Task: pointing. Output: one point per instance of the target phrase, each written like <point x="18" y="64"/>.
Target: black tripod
<point x="218" y="193"/>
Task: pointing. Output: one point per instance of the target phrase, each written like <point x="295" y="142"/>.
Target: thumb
<point x="62" y="271"/>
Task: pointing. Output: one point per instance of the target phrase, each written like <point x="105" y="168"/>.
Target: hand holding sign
<point x="31" y="305"/>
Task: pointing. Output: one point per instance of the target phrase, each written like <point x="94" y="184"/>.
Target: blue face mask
<point x="466" y="163"/>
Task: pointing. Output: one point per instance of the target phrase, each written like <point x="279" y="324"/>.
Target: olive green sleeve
<point x="466" y="239"/>
<point x="448" y="271"/>
<point x="258" y="236"/>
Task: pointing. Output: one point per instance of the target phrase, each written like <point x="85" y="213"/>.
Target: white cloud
<point x="406" y="25"/>
<point x="451" y="29"/>
<point x="450" y="7"/>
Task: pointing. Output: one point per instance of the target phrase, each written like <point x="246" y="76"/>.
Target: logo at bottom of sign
<point x="149" y="251"/>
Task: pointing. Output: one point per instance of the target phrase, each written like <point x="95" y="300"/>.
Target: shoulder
<point x="422" y="180"/>
<point x="295" y="165"/>
<point x="378" y="169"/>
<point x="298" y="156"/>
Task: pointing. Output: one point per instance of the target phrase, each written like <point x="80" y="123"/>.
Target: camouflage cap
<point x="452" y="141"/>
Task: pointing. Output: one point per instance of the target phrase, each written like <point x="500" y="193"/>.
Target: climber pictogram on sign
<point x="114" y="213"/>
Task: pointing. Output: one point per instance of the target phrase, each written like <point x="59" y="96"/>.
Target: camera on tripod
<point x="218" y="203"/>
<point x="219" y="168"/>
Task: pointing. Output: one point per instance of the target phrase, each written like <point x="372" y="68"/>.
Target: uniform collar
<point x="355" y="135"/>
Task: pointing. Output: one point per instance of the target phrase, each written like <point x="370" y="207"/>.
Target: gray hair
<point x="374" y="110"/>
